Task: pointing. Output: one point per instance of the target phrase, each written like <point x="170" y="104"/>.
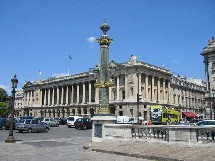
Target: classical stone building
<point x="77" y="95"/>
<point x="209" y="60"/>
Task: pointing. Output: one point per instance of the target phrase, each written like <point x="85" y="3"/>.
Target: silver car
<point x="50" y="122"/>
<point x="31" y="125"/>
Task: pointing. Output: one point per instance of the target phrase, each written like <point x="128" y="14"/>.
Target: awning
<point x="189" y="114"/>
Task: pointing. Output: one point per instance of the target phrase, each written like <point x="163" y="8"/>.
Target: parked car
<point x="50" y="122"/>
<point x="206" y="123"/>
<point x="31" y="125"/>
<point x="3" y="123"/>
<point x="25" y="117"/>
<point x="71" y="120"/>
<point x="8" y="123"/>
<point x="63" y="121"/>
<point x="57" y="119"/>
<point x="83" y="123"/>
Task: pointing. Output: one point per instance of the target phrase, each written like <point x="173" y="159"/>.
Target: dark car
<point x="8" y="123"/>
<point x="83" y="123"/>
<point x="63" y="121"/>
<point x="3" y="123"/>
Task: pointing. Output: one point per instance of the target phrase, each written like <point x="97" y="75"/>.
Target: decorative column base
<point x="10" y="139"/>
<point x="99" y="120"/>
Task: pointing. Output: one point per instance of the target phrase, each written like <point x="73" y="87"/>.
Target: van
<point x="71" y="120"/>
<point x="122" y="120"/>
<point x="133" y="120"/>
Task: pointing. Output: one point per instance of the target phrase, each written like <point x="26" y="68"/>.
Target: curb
<point x="157" y="158"/>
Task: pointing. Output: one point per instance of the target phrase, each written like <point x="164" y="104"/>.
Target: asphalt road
<point x="60" y="143"/>
<point x="54" y="133"/>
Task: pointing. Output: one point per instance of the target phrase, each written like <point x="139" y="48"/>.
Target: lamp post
<point x="11" y="138"/>
<point x="103" y="74"/>
<point x="103" y="71"/>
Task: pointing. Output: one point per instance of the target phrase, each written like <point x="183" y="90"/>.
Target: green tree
<point x="4" y="106"/>
<point x="3" y="95"/>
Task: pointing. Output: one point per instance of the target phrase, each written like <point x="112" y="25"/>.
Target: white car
<point x="71" y="120"/>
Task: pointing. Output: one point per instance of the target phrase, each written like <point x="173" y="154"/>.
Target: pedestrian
<point x="149" y="122"/>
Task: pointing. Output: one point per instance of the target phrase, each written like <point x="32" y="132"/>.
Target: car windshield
<point x="21" y="121"/>
<point x="80" y="119"/>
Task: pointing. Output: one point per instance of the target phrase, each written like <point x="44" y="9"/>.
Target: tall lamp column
<point x="11" y="138"/>
<point x="104" y="81"/>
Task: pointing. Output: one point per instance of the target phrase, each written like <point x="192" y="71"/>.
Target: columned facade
<point x="77" y="95"/>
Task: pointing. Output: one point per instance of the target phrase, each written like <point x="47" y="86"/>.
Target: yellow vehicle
<point x="160" y="115"/>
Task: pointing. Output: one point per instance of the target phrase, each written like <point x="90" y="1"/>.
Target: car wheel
<point x="29" y="130"/>
<point x="69" y="126"/>
<point x="20" y="131"/>
<point x="85" y="127"/>
<point x="46" y="129"/>
<point x="76" y="127"/>
<point x="3" y="128"/>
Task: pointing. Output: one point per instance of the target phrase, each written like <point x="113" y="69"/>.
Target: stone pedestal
<point x="98" y="131"/>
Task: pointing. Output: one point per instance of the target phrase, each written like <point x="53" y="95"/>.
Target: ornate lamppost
<point x="11" y="138"/>
<point x="102" y="73"/>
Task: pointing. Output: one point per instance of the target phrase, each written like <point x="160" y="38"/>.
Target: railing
<point x="156" y="132"/>
<point x="167" y="133"/>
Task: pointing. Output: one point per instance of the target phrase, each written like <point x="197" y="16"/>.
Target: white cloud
<point x="6" y="88"/>
<point x="176" y="62"/>
<point x="91" y="39"/>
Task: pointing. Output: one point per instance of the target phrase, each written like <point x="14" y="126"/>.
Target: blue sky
<point x="41" y="34"/>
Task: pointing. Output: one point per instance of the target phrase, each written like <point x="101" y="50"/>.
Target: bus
<point x="159" y="115"/>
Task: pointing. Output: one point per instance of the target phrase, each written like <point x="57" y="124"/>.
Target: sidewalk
<point x="156" y="150"/>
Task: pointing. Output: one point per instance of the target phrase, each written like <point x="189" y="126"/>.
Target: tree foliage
<point x="4" y="106"/>
<point x="3" y="95"/>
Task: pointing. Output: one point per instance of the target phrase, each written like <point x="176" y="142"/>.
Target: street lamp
<point x="103" y="71"/>
<point x="11" y="138"/>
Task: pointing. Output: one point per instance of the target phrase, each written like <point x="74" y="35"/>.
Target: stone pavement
<point x="56" y="150"/>
<point x="79" y="149"/>
<point x="157" y="150"/>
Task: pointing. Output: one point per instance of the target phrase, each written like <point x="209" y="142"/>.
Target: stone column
<point x="90" y="90"/>
<point x="41" y="97"/>
<point x="126" y="86"/>
<point x="28" y="98"/>
<point x="45" y="95"/>
<point x="96" y="95"/>
<point x="117" y="89"/>
<point x="139" y="83"/>
<point x="67" y="95"/>
<point x="110" y="88"/>
<point x="146" y="86"/>
<point x="77" y="93"/>
<point x="58" y="96"/>
<point x="53" y="96"/>
<point x="83" y="98"/>
<point x="31" y="98"/>
<point x="153" y="79"/>
<point x="158" y="92"/>
<point x="164" y="89"/>
<point x="62" y="95"/>
<point x="72" y="95"/>
<point x="49" y="93"/>
<point x="169" y="92"/>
